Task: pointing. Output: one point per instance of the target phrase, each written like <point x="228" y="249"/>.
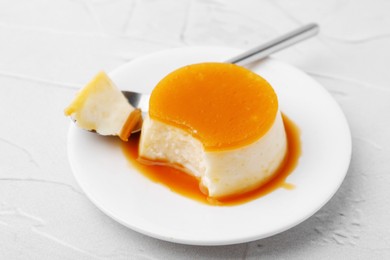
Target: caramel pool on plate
<point x="188" y="186"/>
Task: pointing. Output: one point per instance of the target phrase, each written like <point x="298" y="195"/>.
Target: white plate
<point x="124" y="194"/>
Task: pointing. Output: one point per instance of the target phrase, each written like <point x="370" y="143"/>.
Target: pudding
<point x="218" y="122"/>
<point x="100" y="106"/>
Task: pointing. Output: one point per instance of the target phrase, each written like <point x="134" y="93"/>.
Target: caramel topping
<point x="223" y="105"/>
<point x="133" y="122"/>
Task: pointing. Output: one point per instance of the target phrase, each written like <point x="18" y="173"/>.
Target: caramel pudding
<point x="100" y="106"/>
<point x="218" y="122"/>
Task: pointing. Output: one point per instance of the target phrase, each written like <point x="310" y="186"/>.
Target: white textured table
<point x="48" y="49"/>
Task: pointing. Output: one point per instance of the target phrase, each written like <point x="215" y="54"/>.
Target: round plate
<point x="115" y="187"/>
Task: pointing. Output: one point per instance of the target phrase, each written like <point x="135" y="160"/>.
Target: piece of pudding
<point x="100" y="106"/>
<point x="218" y="122"/>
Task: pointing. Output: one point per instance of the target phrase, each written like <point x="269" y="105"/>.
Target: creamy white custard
<point x="100" y="106"/>
<point x="221" y="173"/>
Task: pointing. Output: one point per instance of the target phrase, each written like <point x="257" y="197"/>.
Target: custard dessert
<point x="218" y="122"/>
<point x="100" y="106"/>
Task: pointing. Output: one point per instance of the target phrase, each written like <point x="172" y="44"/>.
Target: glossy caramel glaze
<point x="223" y="105"/>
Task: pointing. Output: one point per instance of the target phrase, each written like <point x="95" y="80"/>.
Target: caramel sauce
<point x="188" y="186"/>
<point x="248" y="111"/>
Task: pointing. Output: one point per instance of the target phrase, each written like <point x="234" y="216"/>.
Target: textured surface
<point x="48" y="49"/>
